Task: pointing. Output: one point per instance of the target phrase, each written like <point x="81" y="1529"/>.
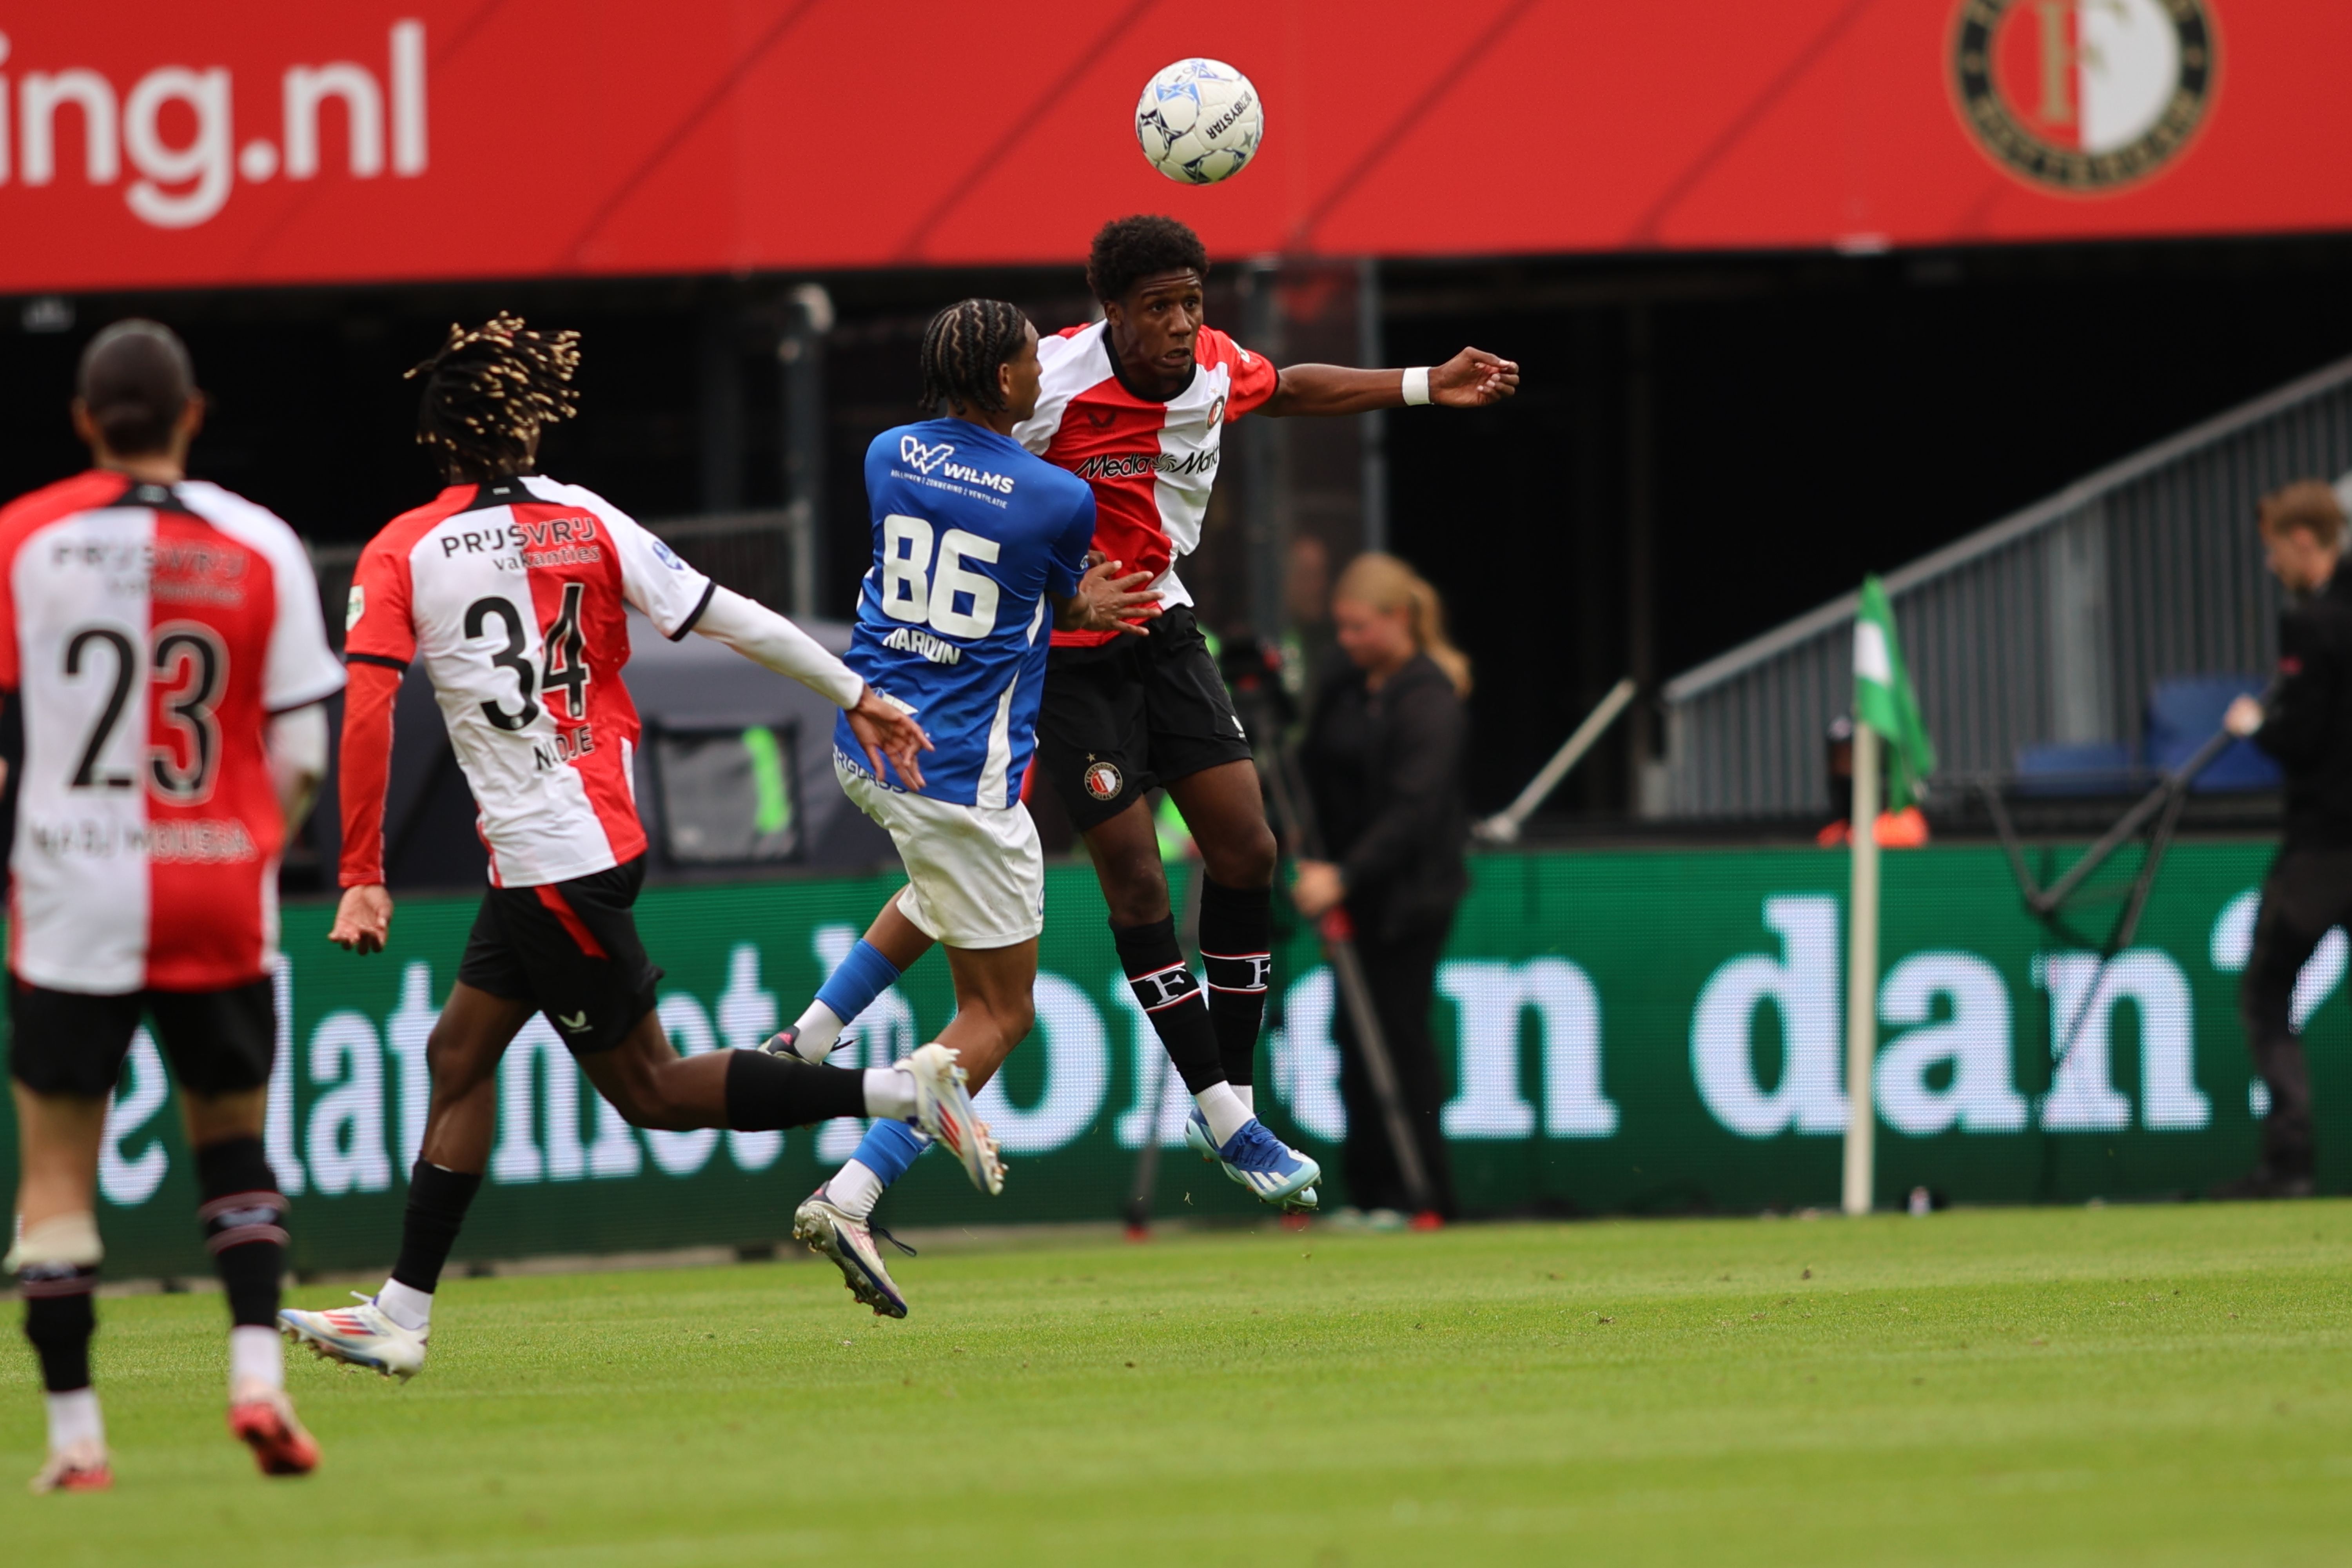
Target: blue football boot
<point x="1274" y="1171"/>
<point x="1198" y="1138"/>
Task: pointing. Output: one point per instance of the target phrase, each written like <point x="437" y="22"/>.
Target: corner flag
<point x="1884" y="708"/>
<point x="1884" y="699"/>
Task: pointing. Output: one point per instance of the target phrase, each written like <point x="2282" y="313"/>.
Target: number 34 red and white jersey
<point x="515" y="593"/>
<point x="147" y="632"/>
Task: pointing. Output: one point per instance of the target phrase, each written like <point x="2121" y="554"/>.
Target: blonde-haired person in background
<point x="1383" y="760"/>
<point x="2305" y="722"/>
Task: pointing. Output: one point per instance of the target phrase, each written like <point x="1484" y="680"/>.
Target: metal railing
<point x="2051" y="625"/>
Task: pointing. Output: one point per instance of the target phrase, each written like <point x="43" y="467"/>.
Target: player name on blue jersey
<point x="970" y="533"/>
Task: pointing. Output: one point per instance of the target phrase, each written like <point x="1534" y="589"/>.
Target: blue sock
<point x="889" y="1147"/>
<point x="859" y="978"/>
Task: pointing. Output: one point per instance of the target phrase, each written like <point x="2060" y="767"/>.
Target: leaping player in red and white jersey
<point x="512" y="589"/>
<point x="1136" y="404"/>
<point x="161" y="662"/>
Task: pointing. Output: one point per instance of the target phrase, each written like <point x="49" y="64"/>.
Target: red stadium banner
<point x="151" y="144"/>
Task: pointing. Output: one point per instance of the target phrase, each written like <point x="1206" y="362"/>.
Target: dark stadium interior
<point x="1809" y="417"/>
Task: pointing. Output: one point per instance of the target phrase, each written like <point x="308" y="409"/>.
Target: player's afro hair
<point x="490" y="392"/>
<point x="1129" y="249"/>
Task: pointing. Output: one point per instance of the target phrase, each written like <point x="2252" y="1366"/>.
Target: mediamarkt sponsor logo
<point x="1133" y="464"/>
<point x="47" y="107"/>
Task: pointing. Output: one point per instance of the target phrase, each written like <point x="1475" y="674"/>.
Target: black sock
<point x="1237" y="950"/>
<point x="1171" y="996"/>
<point x="244" y="1216"/>
<point x="765" y="1092"/>
<point x="60" y="1318"/>
<point x="437" y="1201"/>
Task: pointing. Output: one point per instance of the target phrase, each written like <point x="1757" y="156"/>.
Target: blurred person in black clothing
<point x="1310" y="654"/>
<point x="1383" y="759"/>
<point x="2305" y="722"/>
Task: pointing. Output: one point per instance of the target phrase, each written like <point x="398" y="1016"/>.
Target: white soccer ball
<point x="1200" y="121"/>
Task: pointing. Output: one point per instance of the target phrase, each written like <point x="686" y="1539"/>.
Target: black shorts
<point x="570" y="949"/>
<point x="1120" y="719"/>
<point x="67" y="1042"/>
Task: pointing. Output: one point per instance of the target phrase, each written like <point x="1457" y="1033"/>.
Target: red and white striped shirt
<point x="514" y="593"/>
<point x="1151" y="464"/>
<point x="147" y="633"/>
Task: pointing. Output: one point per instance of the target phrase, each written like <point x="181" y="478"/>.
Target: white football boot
<point x="360" y="1336"/>
<point x="943" y="1108"/>
<point x="81" y="1466"/>
<point x="832" y="1232"/>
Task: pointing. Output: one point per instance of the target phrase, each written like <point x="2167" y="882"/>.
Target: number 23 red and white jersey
<point x="147" y="633"/>
<point x="515" y="593"/>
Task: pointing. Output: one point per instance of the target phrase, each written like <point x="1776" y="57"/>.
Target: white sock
<point x="1247" y="1094"/>
<point x="256" y="1355"/>
<point x="820" y="1031"/>
<point x="1224" y="1110"/>
<point x="74" y="1416"/>
<point x="853" y="1190"/>
<point x="404" y="1304"/>
<point x="891" y="1091"/>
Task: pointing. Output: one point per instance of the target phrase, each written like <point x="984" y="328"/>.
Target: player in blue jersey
<point x="977" y="545"/>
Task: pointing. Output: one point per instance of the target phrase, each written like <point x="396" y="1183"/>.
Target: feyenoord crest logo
<point x="2085" y="96"/>
<point x="1103" y="781"/>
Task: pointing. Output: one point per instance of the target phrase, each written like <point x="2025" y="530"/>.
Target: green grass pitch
<point x="2120" y="1385"/>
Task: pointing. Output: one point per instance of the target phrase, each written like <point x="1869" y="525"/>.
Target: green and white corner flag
<point x="1884" y="699"/>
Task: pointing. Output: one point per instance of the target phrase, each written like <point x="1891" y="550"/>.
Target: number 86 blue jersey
<point x="970" y="533"/>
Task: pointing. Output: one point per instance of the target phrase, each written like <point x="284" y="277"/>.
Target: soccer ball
<point x="1200" y="121"/>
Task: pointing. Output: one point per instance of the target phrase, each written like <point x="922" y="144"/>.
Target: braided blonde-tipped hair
<point x="489" y="393"/>
<point x="1388" y="584"/>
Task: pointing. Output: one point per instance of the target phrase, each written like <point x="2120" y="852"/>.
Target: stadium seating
<point x="2075" y="767"/>
<point x="2184" y="711"/>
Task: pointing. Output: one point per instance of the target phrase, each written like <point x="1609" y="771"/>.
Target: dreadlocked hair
<point x="962" y="348"/>
<point x="490" y="392"/>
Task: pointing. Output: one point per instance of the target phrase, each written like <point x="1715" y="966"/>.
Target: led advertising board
<point x="151" y="145"/>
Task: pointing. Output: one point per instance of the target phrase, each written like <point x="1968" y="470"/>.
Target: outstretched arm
<point x="765" y="638"/>
<point x="883" y="729"/>
<point x="1471" y="378"/>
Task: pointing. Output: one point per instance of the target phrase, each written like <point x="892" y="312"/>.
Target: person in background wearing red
<point x="1904" y="829"/>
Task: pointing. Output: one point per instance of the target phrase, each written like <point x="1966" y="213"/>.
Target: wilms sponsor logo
<point x="1001" y="483"/>
<point x="937" y="459"/>
<point x="177" y="126"/>
<point x="1135" y="464"/>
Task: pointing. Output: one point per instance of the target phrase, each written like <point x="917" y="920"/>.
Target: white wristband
<point x="1416" y="386"/>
